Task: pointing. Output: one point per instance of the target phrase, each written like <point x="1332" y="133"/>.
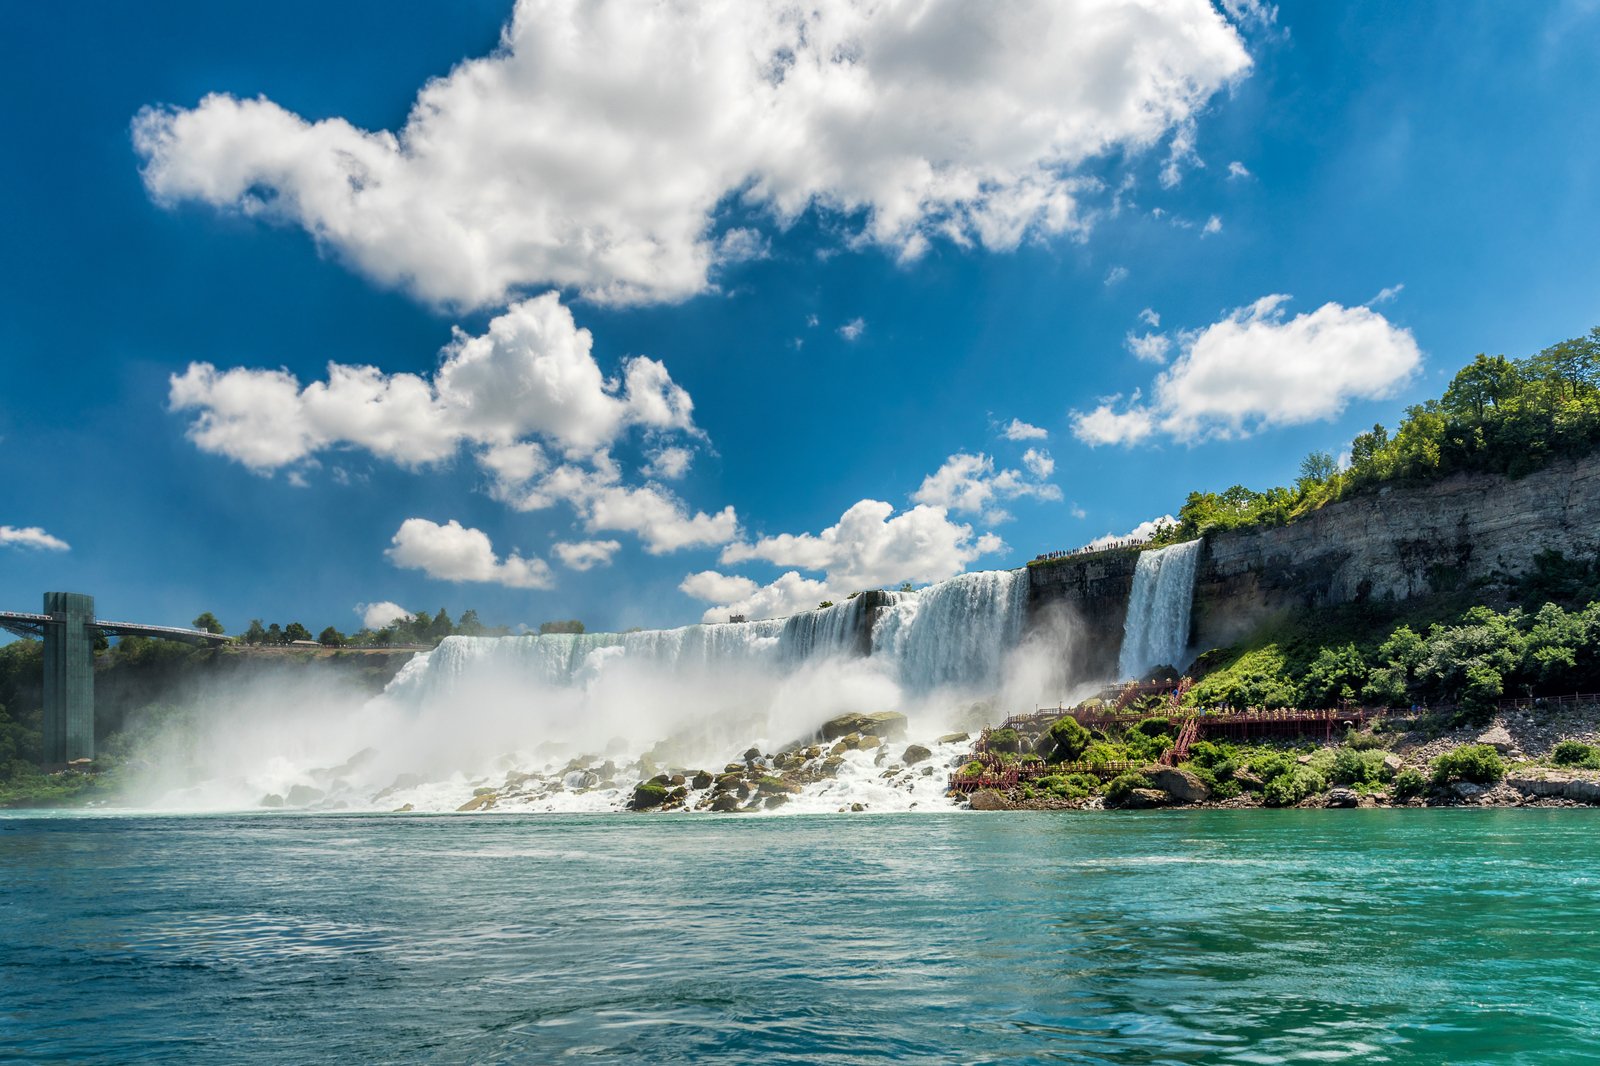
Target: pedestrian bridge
<point x="68" y="626"/>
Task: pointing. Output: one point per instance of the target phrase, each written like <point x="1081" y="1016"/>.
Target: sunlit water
<point x="1198" y="937"/>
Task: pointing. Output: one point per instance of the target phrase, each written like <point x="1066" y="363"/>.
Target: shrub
<point x="1100" y="753"/>
<point x="1408" y="783"/>
<point x="1088" y="782"/>
<point x="1357" y="768"/>
<point x="1122" y="786"/>
<point x="1287" y="789"/>
<point x="1142" y="748"/>
<point x="1005" y="740"/>
<point x="1358" y="741"/>
<point x="1576" y="753"/>
<point x="1154" y="727"/>
<point x="1064" y="787"/>
<point x="1478" y="763"/>
<point x="972" y="769"/>
<point x="1067" y="740"/>
<point x="1206" y="753"/>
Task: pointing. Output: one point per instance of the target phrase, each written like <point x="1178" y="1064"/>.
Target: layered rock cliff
<point x="1395" y="542"/>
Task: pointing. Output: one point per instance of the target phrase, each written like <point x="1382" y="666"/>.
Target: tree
<point x="468" y="625"/>
<point x="256" y="634"/>
<point x="208" y="622"/>
<point x="1318" y="466"/>
<point x="295" y="631"/>
<point x="330" y="638"/>
<point x="275" y="634"/>
<point x="439" y="627"/>
<point x="571" y="625"/>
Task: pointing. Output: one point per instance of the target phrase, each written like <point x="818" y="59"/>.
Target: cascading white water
<point x="1156" y="632"/>
<point x="563" y="659"/>
<point x="956" y="632"/>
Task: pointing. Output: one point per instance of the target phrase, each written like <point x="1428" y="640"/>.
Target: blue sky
<point x="995" y="218"/>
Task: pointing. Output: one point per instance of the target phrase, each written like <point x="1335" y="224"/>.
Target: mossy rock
<point x="648" y="795"/>
<point x="884" y="724"/>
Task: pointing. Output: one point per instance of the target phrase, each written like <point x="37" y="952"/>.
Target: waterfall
<point x="956" y="632"/>
<point x="564" y="659"/>
<point x="1156" y="632"/>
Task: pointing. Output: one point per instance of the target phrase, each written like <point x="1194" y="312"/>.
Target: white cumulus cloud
<point x="970" y="483"/>
<point x="380" y="615"/>
<point x="789" y="594"/>
<point x="531" y="374"/>
<point x="853" y="329"/>
<point x="867" y="548"/>
<point x="452" y="552"/>
<point x="1017" y="429"/>
<point x="586" y="554"/>
<point x="714" y="587"/>
<point x="1141" y="532"/>
<point x="594" y="146"/>
<point x="1148" y="347"/>
<point x="31" y="537"/>
<point x="1257" y="369"/>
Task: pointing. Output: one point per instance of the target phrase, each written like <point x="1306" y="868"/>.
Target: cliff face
<point x="1396" y="542"/>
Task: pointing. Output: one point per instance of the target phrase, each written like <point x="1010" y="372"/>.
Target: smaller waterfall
<point x="1156" y="632"/>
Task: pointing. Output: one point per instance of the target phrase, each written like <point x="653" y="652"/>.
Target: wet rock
<point x="271" y="799"/>
<point x="648" y="795"/>
<point x="734" y="768"/>
<point x="776" y="786"/>
<point x="1393" y="764"/>
<point x="675" y="799"/>
<point x="481" y="801"/>
<point x="677" y="779"/>
<point x="579" y="779"/>
<point x="702" y="779"/>
<point x="954" y="738"/>
<point x="724" y="802"/>
<point x="830" y="765"/>
<point x="1466" y="790"/>
<point x="857" y="808"/>
<point x="772" y="802"/>
<point x="483" y="792"/>
<point x="1181" y="785"/>
<point x="989" y="800"/>
<point x="304" y="795"/>
<point x="915" y="754"/>
<point x="883" y="724"/>
<point x="1144" y="798"/>
<point x="1343" y="797"/>
<point x="752" y="755"/>
<point x="406" y="809"/>
<point x="869" y="741"/>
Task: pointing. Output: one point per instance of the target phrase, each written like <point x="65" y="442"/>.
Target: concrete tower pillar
<point x="68" y="677"/>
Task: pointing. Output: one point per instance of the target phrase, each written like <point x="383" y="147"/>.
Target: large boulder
<point x="648" y="795"/>
<point x="725" y="802"/>
<point x="1498" y="739"/>
<point x="304" y="795"/>
<point x="989" y="800"/>
<point x="954" y="738"/>
<point x="480" y="802"/>
<point x="1181" y="785"/>
<point x="884" y="724"/>
<point x="1143" y="798"/>
<point x="1343" y="797"/>
<point x="915" y="754"/>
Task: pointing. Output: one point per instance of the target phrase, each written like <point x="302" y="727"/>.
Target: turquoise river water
<point x="1179" y="937"/>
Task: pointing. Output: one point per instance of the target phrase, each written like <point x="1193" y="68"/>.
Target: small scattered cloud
<point x="743" y="245"/>
<point x="452" y="552"/>
<point x="1148" y="347"/>
<point x="971" y="484"/>
<point x="812" y="321"/>
<point x="853" y="329"/>
<point x="586" y="554"/>
<point x="380" y="615"/>
<point x="1213" y="225"/>
<point x="1237" y="171"/>
<point x="1017" y="429"/>
<point x="1116" y="275"/>
<point x="1387" y="295"/>
<point x="1149" y="317"/>
<point x="31" y="537"/>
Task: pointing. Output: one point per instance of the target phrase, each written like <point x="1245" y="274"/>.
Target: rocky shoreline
<point x="1525" y="741"/>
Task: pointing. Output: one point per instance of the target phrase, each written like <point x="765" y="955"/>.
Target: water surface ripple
<point x="1199" y="937"/>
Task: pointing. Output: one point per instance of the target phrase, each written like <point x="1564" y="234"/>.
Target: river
<point x="1171" y="937"/>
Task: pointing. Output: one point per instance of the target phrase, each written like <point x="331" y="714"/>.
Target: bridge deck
<point x="26" y="624"/>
